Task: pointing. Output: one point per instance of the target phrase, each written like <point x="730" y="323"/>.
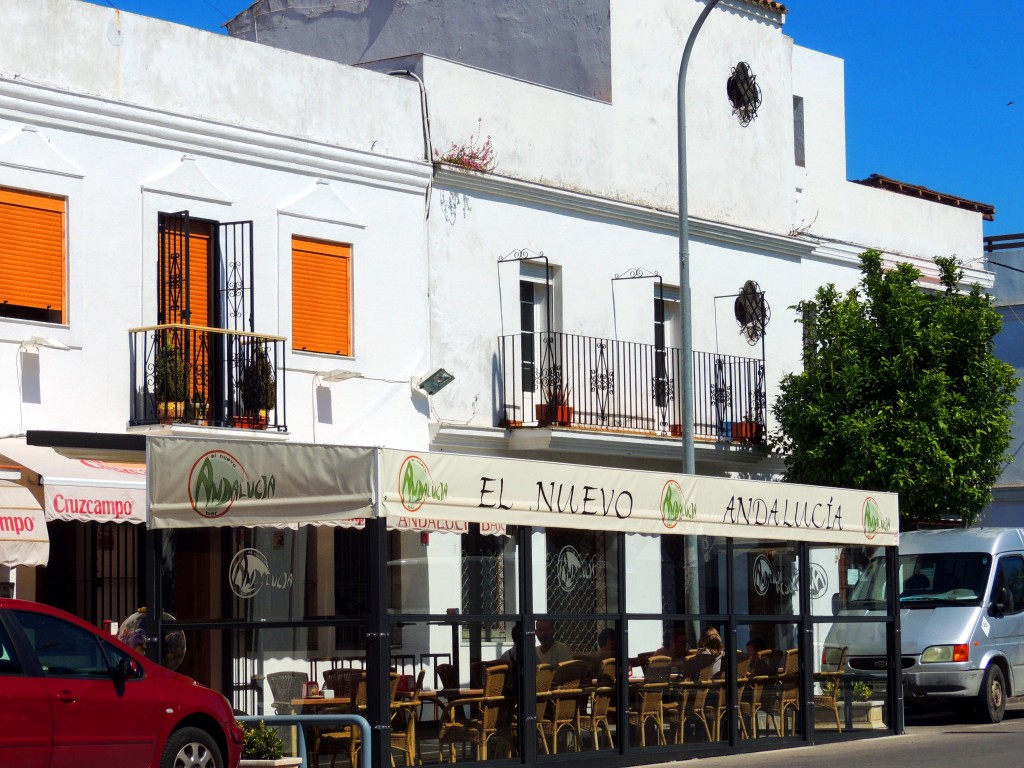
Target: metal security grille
<point x="483" y="583"/>
<point x="577" y="577"/>
<point x="100" y="577"/>
<point x="246" y="679"/>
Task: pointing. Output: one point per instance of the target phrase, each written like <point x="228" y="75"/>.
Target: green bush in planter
<point x="258" y="385"/>
<point x="262" y="743"/>
<point x="862" y="691"/>
<point x="170" y="377"/>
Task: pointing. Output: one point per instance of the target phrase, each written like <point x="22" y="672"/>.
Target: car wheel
<point x="992" y="696"/>
<point x="191" y="748"/>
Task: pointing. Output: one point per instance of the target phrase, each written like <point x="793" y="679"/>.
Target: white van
<point x="961" y="601"/>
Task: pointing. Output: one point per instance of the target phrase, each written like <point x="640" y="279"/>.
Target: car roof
<point x="990" y="540"/>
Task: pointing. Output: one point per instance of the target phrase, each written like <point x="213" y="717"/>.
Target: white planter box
<point x="284" y="762"/>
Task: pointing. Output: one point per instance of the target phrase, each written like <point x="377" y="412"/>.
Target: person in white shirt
<point x="549" y="650"/>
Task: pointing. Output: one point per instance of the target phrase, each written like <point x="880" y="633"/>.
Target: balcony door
<point x="205" y="274"/>
<point x="537" y="324"/>
<point x="666" y="389"/>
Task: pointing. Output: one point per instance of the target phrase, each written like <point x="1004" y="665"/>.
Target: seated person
<point x="607" y="645"/>
<point x="758" y="665"/>
<point x="550" y="650"/>
<point x="711" y="643"/>
<point x="675" y="646"/>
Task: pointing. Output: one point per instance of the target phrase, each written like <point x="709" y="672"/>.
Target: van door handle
<point x="67" y="697"/>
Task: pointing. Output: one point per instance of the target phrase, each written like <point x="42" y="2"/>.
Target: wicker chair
<point x="346" y="740"/>
<point x="788" y="701"/>
<point x="285" y="686"/>
<point x="487" y="721"/>
<point x="405" y="713"/>
<point x="761" y="690"/>
<point x="601" y="706"/>
<point x="831" y="682"/>
<point x="561" y="705"/>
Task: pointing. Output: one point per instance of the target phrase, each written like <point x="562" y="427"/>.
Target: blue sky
<point x="928" y="87"/>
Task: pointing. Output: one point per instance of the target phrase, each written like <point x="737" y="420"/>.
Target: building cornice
<point x="39" y="105"/>
<point x="616" y="210"/>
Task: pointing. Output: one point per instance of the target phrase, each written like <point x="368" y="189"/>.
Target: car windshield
<point x="944" y="578"/>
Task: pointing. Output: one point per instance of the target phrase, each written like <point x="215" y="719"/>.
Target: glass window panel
<point x="63" y="649"/>
<point x="451" y="573"/>
<point x="670" y="589"/>
<point x="575" y="572"/>
<point x="266" y="574"/>
<point x="765" y="578"/>
<point x="850" y="677"/>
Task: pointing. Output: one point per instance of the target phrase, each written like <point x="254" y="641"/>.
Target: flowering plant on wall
<point x="473" y="155"/>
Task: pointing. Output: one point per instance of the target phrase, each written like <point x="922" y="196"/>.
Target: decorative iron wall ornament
<point x="744" y="93"/>
<point x="752" y="312"/>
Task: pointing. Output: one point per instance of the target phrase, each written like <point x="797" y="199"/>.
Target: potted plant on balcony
<point x="264" y="747"/>
<point x="170" y="383"/>
<point x="746" y="431"/>
<point x="555" y="409"/>
<point x="258" y="388"/>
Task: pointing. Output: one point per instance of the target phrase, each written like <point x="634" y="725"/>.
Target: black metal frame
<point x="378" y="624"/>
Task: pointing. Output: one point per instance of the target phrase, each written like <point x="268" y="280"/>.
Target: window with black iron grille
<point x="586" y="594"/>
<point x="483" y="581"/>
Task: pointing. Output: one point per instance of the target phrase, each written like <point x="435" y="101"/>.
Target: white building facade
<point x="208" y="209"/>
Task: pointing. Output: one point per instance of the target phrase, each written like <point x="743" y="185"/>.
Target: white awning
<point x="198" y="482"/>
<point x="82" y="489"/>
<point x="23" y="537"/>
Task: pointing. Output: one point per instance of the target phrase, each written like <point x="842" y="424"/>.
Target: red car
<point x="74" y="697"/>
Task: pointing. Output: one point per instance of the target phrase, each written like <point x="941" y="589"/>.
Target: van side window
<point x="1010" y="573"/>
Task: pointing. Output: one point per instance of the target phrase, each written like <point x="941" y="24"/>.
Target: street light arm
<point x="685" y="308"/>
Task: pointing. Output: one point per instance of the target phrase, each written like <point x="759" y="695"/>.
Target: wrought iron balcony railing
<point x="560" y="379"/>
<point x="196" y="375"/>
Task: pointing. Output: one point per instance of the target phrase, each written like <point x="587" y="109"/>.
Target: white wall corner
<point x="187" y="180"/>
<point x="322" y="203"/>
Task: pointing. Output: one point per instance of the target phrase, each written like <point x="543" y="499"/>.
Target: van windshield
<point x="927" y="580"/>
<point x="943" y="578"/>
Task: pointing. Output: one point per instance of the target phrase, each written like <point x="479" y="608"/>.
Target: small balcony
<point x="184" y="374"/>
<point x="568" y="381"/>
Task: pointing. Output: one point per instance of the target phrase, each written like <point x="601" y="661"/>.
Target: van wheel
<point x="992" y="696"/>
<point x="191" y="748"/>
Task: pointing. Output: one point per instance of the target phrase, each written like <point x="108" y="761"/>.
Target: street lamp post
<point x="692" y="552"/>
<point x="685" y="308"/>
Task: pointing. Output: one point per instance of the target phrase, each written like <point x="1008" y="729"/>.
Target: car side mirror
<point x="127" y="669"/>
<point x="837" y="604"/>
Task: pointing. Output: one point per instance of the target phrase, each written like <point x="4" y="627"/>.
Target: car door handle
<point x="67" y="697"/>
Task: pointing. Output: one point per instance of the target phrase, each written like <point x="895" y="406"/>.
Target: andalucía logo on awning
<point x="674" y="506"/>
<point x="873" y="521"/>
<point x="415" y="485"/>
<point x="217" y="479"/>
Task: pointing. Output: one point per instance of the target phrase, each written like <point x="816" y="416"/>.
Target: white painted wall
<point x="128" y="117"/>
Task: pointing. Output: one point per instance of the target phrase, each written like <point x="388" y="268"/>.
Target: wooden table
<point x="319" y="702"/>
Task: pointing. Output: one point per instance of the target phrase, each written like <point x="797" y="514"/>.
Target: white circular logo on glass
<point x="248" y="572"/>
<point x="569" y="568"/>
<point x="762" y="574"/>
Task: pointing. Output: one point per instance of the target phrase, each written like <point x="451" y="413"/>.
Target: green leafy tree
<point x="900" y="392"/>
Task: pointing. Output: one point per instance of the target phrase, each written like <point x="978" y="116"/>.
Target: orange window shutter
<point x="321" y="296"/>
<point x="32" y="252"/>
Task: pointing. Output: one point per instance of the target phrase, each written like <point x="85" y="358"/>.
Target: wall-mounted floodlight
<point x="35" y="342"/>
<point x="436" y="381"/>
<point x="338" y="375"/>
